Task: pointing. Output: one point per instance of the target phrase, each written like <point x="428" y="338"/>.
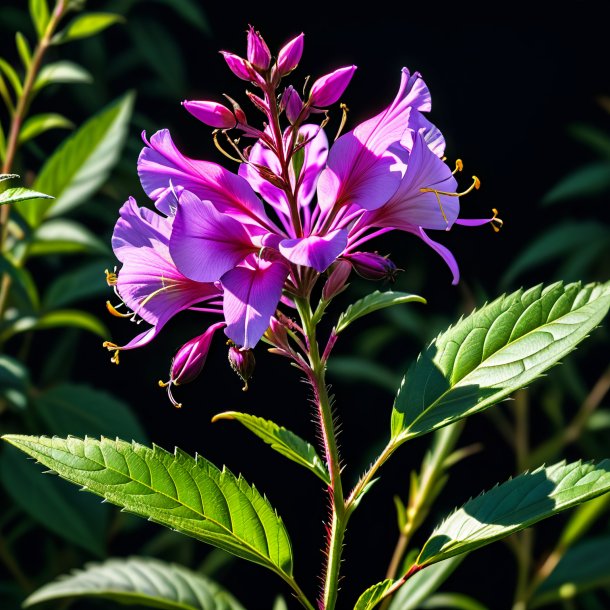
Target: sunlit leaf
<point x="82" y="163"/>
<point x="14" y="381"/>
<point x="373" y="595"/>
<point x="39" y="123"/>
<point x="373" y="302"/>
<point x="20" y="194"/>
<point x="587" y="181"/>
<point x="11" y="76"/>
<point x="39" y="11"/>
<point x="515" y="505"/>
<point x="82" y="283"/>
<point x="140" y="580"/>
<point x="62" y="236"/>
<point x="2" y="136"/>
<point x="175" y="490"/>
<point x="86" y="25"/>
<point x="493" y="352"/>
<point x="283" y="441"/>
<point x="23" y="48"/>
<point x="61" y="72"/>
<point x="4" y="177"/>
<point x="53" y="503"/>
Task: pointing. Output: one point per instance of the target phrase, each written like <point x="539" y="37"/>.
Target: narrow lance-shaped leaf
<point x="186" y="494"/>
<point x="493" y="352"/>
<point x="61" y="72"/>
<point x="38" y="124"/>
<point x="515" y="505"/>
<point x="23" y="48"/>
<point x="283" y="441"/>
<point x="139" y="580"/>
<point x="20" y="194"/>
<point x="85" y="25"/>
<point x="372" y="302"/>
<point x="39" y="11"/>
<point x="11" y="76"/>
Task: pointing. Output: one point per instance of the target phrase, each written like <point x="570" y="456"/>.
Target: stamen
<point x="111" y="278"/>
<point x="168" y="385"/>
<point x="459" y="166"/>
<point x="221" y="149"/>
<point x="112" y="347"/>
<point x="496" y="223"/>
<point x="235" y="145"/>
<point x="117" y="314"/>
<point x="476" y="185"/>
<point x="345" y="110"/>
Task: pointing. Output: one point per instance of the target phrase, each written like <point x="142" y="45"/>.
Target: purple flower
<point x="330" y="87"/>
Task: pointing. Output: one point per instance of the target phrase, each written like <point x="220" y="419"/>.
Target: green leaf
<point x="191" y="12"/>
<point x="140" y="580"/>
<point x="558" y="242"/>
<point x="4" y="177"/>
<point x="186" y="494"/>
<point x="363" y="370"/>
<point x="85" y="411"/>
<point x="584" y="567"/>
<point x="20" y="194"/>
<point x="38" y="124"/>
<point x="593" y="137"/>
<point x="373" y="595"/>
<point x="493" y="352"/>
<point x="39" y="11"/>
<point x="587" y="181"/>
<point x="2" y="136"/>
<point x="23" y="48"/>
<point x="14" y="381"/>
<point x="456" y="601"/>
<point x="373" y="302"/>
<point x="283" y="441"/>
<point x="23" y="285"/>
<point x="516" y="505"/>
<point x="81" y="283"/>
<point x="86" y="25"/>
<point x="51" y="502"/>
<point x="12" y="76"/>
<point x="61" y="72"/>
<point x="62" y="236"/>
<point x="82" y="163"/>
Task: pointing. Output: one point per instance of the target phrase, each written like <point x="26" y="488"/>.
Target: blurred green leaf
<point x="14" y="381"/>
<point x="280" y="603"/>
<point x="20" y="194"/>
<point x="85" y="411"/>
<point x="557" y="243"/>
<point x="53" y="503"/>
<point x="39" y="11"/>
<point x="8" y="101"/>
<point x="81" y="283"/>
<point x="86" y="25"/>
<point x="362" y="370"/>
<point x="61" y="72"/>
<point x="140" y="580"/>
<point x="582" y="519"/>
<point x="453" y="601"/>
<point x="584" y="567"/>
<point x="23" y="48"/>
<point x="587" y="181"/>
<point x="12" y="76"/>
<point x="515" y="505"/>
<point x="82" y="163"/>
<point x="22" y="282"/>
<point x="592" y="136"/>
<point x="39" y="123"/>
<point x="283" y="441"/>
<point x="62" y="236"/>
<point x="191" y="11"/>
<point x="2" y="136"/>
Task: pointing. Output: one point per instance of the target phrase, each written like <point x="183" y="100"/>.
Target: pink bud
<point x="277" y="334"/>
<point x="290" y="55"/>
<point x="239" y="66"/>
<point x="243" y="363"/>
<point x="336" y="282"/>
<point x="373" y="266"/>
<point x="292" y="103"/>
<point x="211" y="113"/>
<point x="329" y="88"/>
<point x="258" y="51"/>
<point x="258" y="102"/>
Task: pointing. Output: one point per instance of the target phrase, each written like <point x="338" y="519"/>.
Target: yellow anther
<point x="163" y="384"/>
<point x="459" y="166"/>
<point x="496" y="223"/>
<point x="111" y="278"/>
<point x="113" y="310"/>
<point x="112" y="347"/>
<point x="477" y="183"/>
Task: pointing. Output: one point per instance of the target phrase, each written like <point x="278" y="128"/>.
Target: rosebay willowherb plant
<point x="261" y="254"/>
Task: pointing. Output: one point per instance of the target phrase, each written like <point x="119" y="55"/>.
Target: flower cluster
<point x="236" y="245"/>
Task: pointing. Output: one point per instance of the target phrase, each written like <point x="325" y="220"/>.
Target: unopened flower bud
<point x="240" y="115"/>
<point x="277" y="334"/>
<point x="329" y="88"/>
<point x="211" y="113"/>
<point x="240" y="67"/>
<point x="243" y="363"/>
<point x="292" y="104"/>
<point x="258" y="51"/>
<point x="290" y="55"/>
<point x="337" y="279"/>
<point x="258" y="102"/>
<point x="373" y="266"/>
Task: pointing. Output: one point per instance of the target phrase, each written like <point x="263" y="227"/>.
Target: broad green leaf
<point x="516" y="505"/>
<point x="14" y="381"/>
<point x="493" y="352"/>
<point x="86" y="25"/>
<point x="82" y="163"/>
<point x="140" y="580"/>
<point x="373" y="595"/>
<point x="85" y="411"/>
<point x="187" y="494"/>
<point x="23" y="285"/>
<point x="362" y="370"/>
<point x="23" y="48"/>
<point x="79" y="518"/>
<point x="373" y="302"/>
<point x="11" y="76"/>
<point x="283" y="441"/>
<point x="455" y="601"/>
<point x="556" y="243"/>
<point x="587" y="181"/>
<point x="81" y="283"/>
<point x="39" y="123"/>
<point x="191" y="11"/>
<point x="584" y="567"/>
<point x="20" y="194"/>
<point x="61" y="72"/>
<point x="39" y="11"/>
<point x="62" y="236"/>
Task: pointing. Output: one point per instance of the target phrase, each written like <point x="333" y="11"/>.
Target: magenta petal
<point x="251" y="294"/>
<point x="139" y="340"/>
<point x="211" y="113"/>
<point x="315" y="252"/>
<point x="290" y="55"/>
<point x="473" y="222"/>
<point x="315" y="155"/>
<point x="330" y="87"/>
<point x="205" y="243"/>
<point x="445" y="253"/>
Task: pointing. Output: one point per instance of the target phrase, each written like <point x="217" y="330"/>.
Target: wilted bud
<point x="292" y="103"/>
<point x="243" y="363"/>
<point x="373" y="266"/>
<point x="258" y="51"/>
<point x="240" y="67"/>
<point x="329" y="88"/>
<point x="211" y="113"/>
<point x="290" y="55"/>
<point x="337" y="279"/>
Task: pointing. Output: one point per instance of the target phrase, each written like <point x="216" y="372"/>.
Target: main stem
<point x="329" y="436"/>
